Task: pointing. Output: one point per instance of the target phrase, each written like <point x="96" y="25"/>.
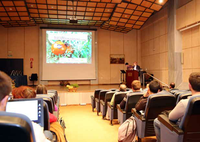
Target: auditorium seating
<point x="96" y="95"/>
<point x="125" y="113"/>
<point x="16" y="127"/>
<point x="112" y="110"/>
<point x="103" y="103"/>
<point x="101" y="96"/>
<point x="46" y="116"/>
<point x="188" y="129"/>
<point x="183" y="95"/>
<point x="48" y="101"/>
<point x="156" y="103"/>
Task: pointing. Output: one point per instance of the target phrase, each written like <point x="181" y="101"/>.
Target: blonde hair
<point x="41" y="89"/>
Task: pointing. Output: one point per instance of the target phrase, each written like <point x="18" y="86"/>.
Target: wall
<point x="115" y="43"/>
<point x="154" y="45"/>
<point x="23" y="42"/>
<point x="191" y="50"/>
<point x="20" y="43"/>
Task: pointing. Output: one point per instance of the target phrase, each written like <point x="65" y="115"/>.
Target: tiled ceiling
<point x="115" y="15"/>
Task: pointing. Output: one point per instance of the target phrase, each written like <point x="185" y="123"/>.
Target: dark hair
<point x="172" y="85"/>
<point x="154" y="86"/>
<point x="23" y="92"/>
<point x="136" y="85"/>
<point x="41" y="89"/>
<point x="194" y="81"/>
<point x="5" y="85"/>
<point x="126" y="63"/>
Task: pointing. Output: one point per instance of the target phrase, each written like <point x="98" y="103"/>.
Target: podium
<point x="130" y="76"/>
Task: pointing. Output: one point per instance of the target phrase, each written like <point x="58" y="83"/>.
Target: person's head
<point x="136" y="85"/>
<point x="172" y="85"/>
<point x="23" y="92"/>
<point x="5" y="89"/>
<point x="154" y="87"/>
<point x="122" y="87"/>
<point x="135" y="63"/>
<point x="41" y="89"/>
<point x="126" y="64"/>
<point x="194" y="82"/>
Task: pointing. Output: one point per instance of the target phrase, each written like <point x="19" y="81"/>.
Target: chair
<point x="103" y="103"/>
<point x="156" y="103"/>
<point x="177" y="92"/>
<point x="51" y="96"/>
<point x="16" y="127"/>
<point x="101" y="96"/>
<point x="46" y="116"/>
<point x="183" y="95"/>
<point x="189" y="128"/>
<point x="132" y="100"/>
<point x="112" y="110"/>
<point x="96" y="95"/>
<point x="55" y="92"/>
<point x="49" y="103"/>
<point x="173" y="90"/>
<point x="33" y="77"/>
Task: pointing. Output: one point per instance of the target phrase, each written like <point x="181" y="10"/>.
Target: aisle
<point x="83" y="125"/>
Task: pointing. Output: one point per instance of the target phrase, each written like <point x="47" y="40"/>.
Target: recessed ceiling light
<point x="52" y="7"/>
<point x="108" y="10"/>
<point x="125" y="15"/>
<point x="160" y="1"/>
<point x="90" y="9"/>
<point x="10" y="8"/>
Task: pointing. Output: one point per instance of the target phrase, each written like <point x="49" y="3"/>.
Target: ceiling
<point x="115" y="15"/>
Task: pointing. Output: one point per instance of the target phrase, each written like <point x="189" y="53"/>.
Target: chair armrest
<point x="109" y="105"/>
<point x="119" y="108"/>
<point x="96" y="100"/>
<point x="102" y="102"/>
<point x="170" y="125"/>
<point x="135" y="113"/>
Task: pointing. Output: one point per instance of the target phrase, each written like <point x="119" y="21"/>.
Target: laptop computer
<point x="32" y="108"/>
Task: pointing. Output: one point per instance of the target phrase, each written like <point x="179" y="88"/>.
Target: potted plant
<point x="72" y="87"/>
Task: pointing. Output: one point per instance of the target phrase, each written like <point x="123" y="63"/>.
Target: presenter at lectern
<point x="136" y="67"/>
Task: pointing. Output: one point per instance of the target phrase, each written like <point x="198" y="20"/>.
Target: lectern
<point x="130" y="76"/>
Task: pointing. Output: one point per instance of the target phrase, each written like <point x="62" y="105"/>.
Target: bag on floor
<point x="126" y="132"/>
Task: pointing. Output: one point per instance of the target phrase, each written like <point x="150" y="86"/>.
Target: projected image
<point x="68" y="47"/>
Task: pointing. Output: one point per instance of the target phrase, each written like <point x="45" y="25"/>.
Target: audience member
<point x="41" y="89"/>
<point x="122" y="88"/>
<point x="177" y="113"/>
<point x="136" y="85"/>
<point x="154" y="87"/>
<point x="5" y="89"/>
<point x="172" y="85"/>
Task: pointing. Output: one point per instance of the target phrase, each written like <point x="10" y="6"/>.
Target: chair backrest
<point x="156" y="103"/>
<point x="48" y="96"/>
<point x="183" y="95"/>
<point x="190" y="121"/>
<point x="176" y="94"/>
<point x="55" y="92"/>
<point x="118" y="98"/>
<point x="102" y="94"/>
<point x="16" y="127"/>
<point x="132" y="100"/>
<point x="113" y="89"/>
<point x="108" y="96"/>
<point x="96" y="93"/>
<point x="46" y="116"/>
<point x="49" y="103"/>
<point x="34" y="76"/>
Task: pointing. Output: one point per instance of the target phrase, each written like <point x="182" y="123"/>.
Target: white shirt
<point x="38" y="131"/>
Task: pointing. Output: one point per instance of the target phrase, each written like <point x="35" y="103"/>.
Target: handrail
<point x="154" y="78"/>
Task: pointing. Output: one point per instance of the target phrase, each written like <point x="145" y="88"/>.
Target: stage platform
<point x="82" y="96"/>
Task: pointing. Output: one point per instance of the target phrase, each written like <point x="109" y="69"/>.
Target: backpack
<point x="126" y="132"/>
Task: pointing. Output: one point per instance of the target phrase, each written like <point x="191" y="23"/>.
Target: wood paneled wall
<point x="191" y="50"/>
<point x="154" y="45"/>
<point x="115" y="43"/>
<point x="188" y="14"/>
<point x="21" y="43"/>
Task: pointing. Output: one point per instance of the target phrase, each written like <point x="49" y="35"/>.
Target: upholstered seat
<point x="96" y="95"/>
<point x="101" y="96"/>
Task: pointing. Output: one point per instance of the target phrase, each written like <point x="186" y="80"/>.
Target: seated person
<point x="5" y="89"/>
<point x="28" y="92"/>
<point x="172" y="85"/>
<point x="122" y="88"/>
<point x="41" y="89"/>
<point x="154" y="87"/>
<point x="179" y="110"/>
<point x="136" y="85"/>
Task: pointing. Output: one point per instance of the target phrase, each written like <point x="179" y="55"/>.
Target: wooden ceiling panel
<point x="115" y="15"/>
